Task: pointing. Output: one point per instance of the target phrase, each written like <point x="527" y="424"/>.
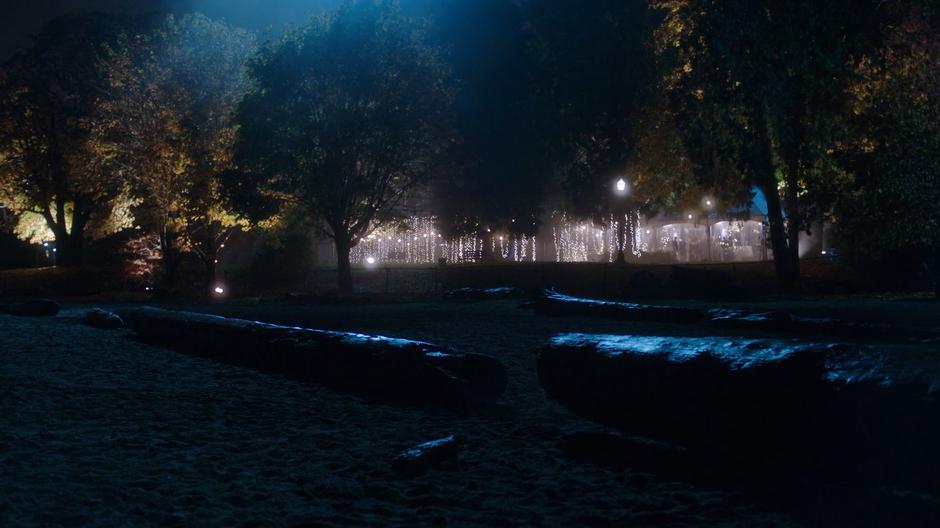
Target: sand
<point x="97" y="429"/>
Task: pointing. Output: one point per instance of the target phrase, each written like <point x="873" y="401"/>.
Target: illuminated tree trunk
<point x="209" y="249"/>
<point x="210" y="276"/>
<point x="767" y="182"/>
<point x="69" y="243"/>
<point x="794" y="155"/>
<point x="170" y="256"/>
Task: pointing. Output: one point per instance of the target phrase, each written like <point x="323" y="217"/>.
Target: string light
<point x="417" y="240"/>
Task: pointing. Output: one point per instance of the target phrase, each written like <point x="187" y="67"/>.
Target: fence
<point x="586" y="278"/>
<point x="404" y="279"/>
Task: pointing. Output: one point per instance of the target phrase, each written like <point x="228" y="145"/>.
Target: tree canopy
<point x="761" y="89"/>
<point x="53" y="173"/>
<point x="168" y="119"/>
<point x="344" y="117"/>
<point x="487" y="114"/>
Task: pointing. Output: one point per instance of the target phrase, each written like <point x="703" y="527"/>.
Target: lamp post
<point x="620" y="190"/>
<point x="709" y="204"/>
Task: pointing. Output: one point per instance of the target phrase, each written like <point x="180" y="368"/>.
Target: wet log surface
<point x="483" y="294"/>
<point x="782" y="322"/>
<point x="785" y="408"/>
<point x="557" y="304"/>
<point x="380" y="368"/>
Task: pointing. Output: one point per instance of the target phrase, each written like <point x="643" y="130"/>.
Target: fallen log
<point x="783" y="405"/>
<point x="553" y="303"/>
<point x="487" y="294"/>
<point x="783" y="322"/>
<point x="380" y="368"/>
<point x="35" y="308"/>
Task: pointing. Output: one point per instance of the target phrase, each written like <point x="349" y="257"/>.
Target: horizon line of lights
<point x="418" y="241"/>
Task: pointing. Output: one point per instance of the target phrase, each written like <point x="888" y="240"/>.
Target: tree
<point x="53" y="174"/>
<point x="499" y="178"/>
<point x="168" y="117"/>
<point x="344" y="117"/>
<point x="887" y="206"/>
<point x="761" y="90"/>
<point x="592" y="79"/>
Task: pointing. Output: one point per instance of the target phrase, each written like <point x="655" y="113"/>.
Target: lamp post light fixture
<point x="620" y="189"/>
<point x="709" y="205"/>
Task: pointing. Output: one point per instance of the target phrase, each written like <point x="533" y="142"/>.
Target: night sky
<point x="22" y="18"/>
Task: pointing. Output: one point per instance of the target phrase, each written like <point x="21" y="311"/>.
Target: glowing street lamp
<point x="620" y="189"/>
<point x="709" y="205"/>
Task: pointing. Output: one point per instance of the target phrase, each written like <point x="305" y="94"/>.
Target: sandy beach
<point x="97" y="429"/>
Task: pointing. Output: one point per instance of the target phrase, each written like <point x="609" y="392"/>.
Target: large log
<point x="484" y="294"/>
<point x="784" y="404"/>
<point x="782" y="322"/>
<point x="380" y="368"/>
<point x="553" y="303"/>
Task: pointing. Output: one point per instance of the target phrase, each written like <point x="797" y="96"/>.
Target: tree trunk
<point x="778" y="237"/>
<point x="210" y="276"/>
<point x="621" y="238"/>
<point x="486" y="250"/>
<point x="767" y="182"/>
<point x="343" y="267"/>
<point x="793" y="227"/>
<point x="794" y="172"/>
<point x="68" y="248"/>
<point x="170" y="256"/>
<point x="793" y="212"/>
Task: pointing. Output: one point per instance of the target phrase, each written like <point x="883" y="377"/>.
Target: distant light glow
<point x="219" y="290"/>
<point x="370" y="260"/>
